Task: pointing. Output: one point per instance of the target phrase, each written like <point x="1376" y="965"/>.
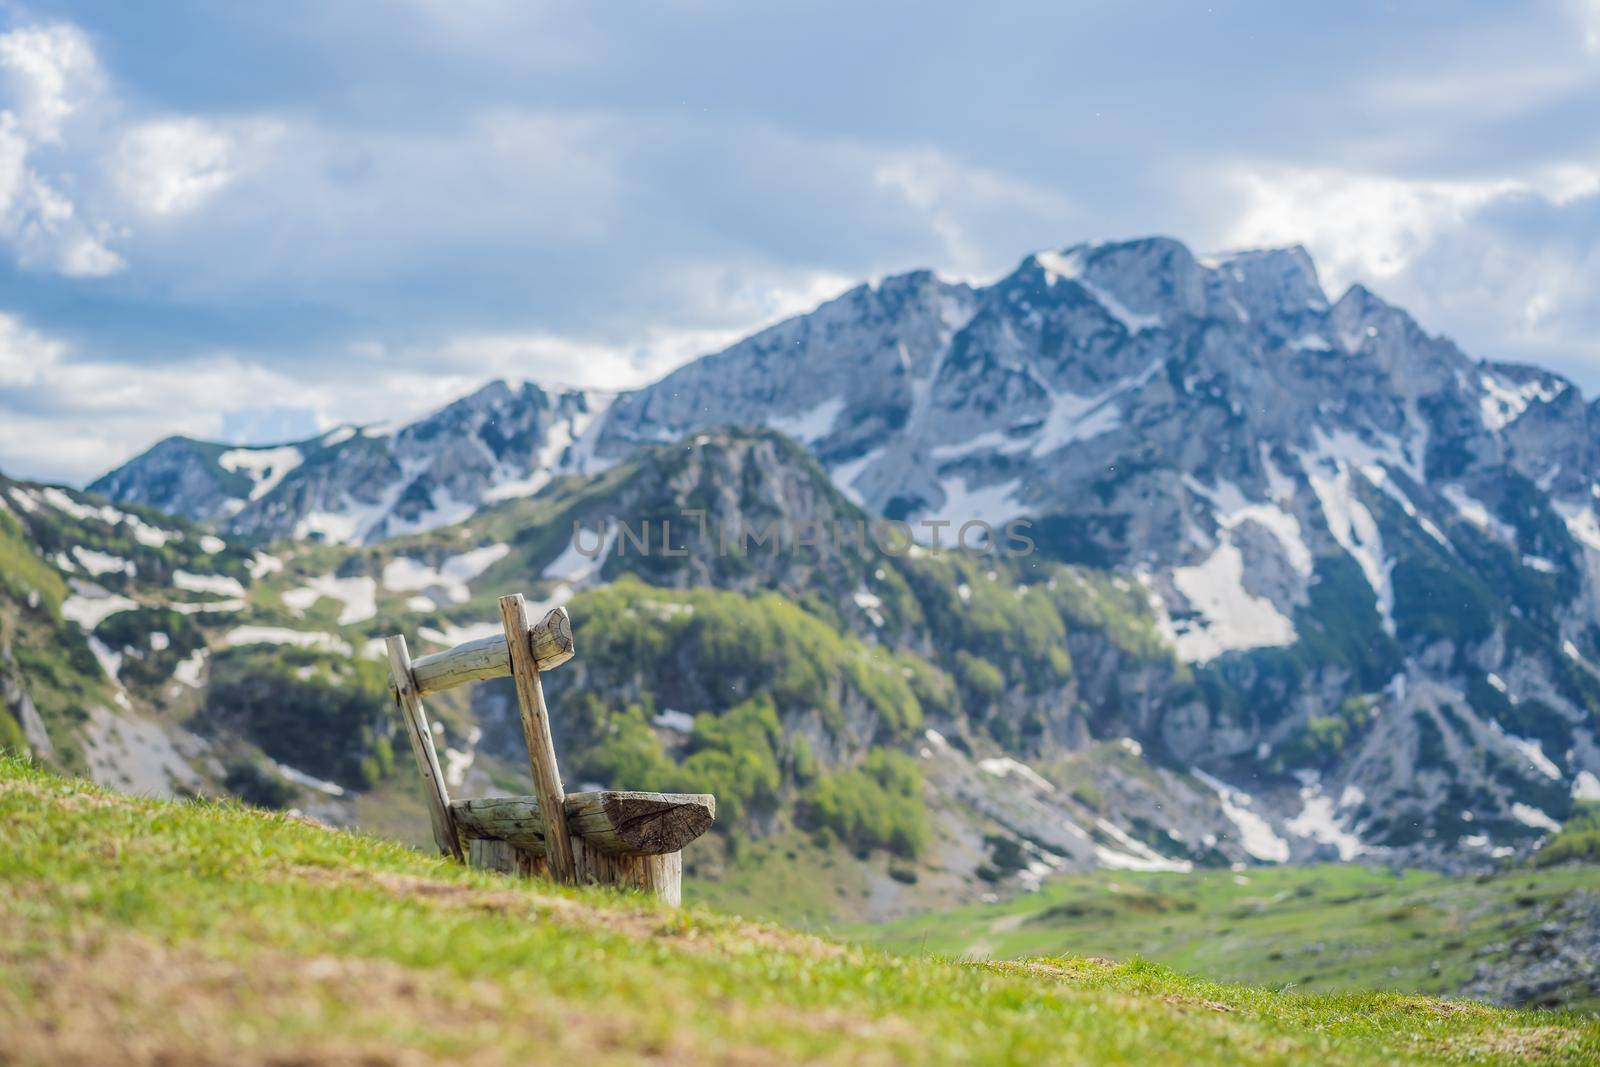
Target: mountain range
<point x="1305" y="580"/>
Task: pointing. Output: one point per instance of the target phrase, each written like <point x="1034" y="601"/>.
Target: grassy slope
<point x="140" y="930"/>
<point x="1325" y="927"/>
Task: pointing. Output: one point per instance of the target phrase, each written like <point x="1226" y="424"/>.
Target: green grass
<point x="144" y="930"/>
<point x="1316" y="928"/>
<point x="793" y="877"/>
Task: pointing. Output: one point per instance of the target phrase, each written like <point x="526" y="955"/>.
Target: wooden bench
<point x="609" y="837"/>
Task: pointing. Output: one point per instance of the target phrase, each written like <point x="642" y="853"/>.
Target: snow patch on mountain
<point x="962" y="502"/>
<point x="1475" y="512"/>
<point x="1230" y="509"/>
<point x="445" y="510"/>
<point x="1069" y="267"/>
<point x="1231" y="618"/>
<point x="358" y="595"/>
<point x="279" y="635"/>
<point x="1006" y="767"/>
<point x="846" y="475"/>
<point x="60" y="501"/>
<point x="1074" y="418"/>
<point x="1530" y="750"/>
<point x="208" y="607"/>
<point x="1580" y="521"/>
<point x="220" y="584"/>
<point x="450" y="578"/>
<point x="99" y="563"/>
<point x="189" y="670"/>
<point x="1528" y="815"/>
<point x="110" y="662"/>
<point x="1504" y="402"/>
<point x="568" y="448"/>
<point x="1135" y="855"/>
<point x="453" y="634"/>
<point x="1320" y="820"/>
<point x="809" y="425"/>
<point x="1331" y="472"/>
<point x="1256" y="835"/>
<point x="583" y="557"/>
<point x="89" y="605"/>
<point x="265" y="467"/>
<point x="301" y="778"/>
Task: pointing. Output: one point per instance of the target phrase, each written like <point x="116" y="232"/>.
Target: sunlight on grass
<point x="282" y="939"/>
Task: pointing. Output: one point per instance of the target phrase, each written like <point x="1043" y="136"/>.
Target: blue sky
<point x="253" y="221"/>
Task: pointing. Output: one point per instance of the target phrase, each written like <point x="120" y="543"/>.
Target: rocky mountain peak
<point x="1271" y="282"/>
<point x="1370" y="564"/>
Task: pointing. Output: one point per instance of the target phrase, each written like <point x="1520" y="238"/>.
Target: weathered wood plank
<point x="661" y="876"/>
<point x="649" y="823"/>
<point x="613" y="821"/>
<point x="536" y="731"/>
<point x="506" y="858"/>
<point x="550" y="642"/>
<point x="421" y="737"/>
<point x="490" y="855"/>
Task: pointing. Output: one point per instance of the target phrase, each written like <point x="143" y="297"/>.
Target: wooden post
<point x="536" y="731"/>
<point x="416" y="720"/>
<point x="550" y="640"/>
<point x="659" y="875"/>
<point x="502" y="856"/>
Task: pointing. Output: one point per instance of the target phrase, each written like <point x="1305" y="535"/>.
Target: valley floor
<point x="1522" y="935"/>
<point x="144" y="931"/>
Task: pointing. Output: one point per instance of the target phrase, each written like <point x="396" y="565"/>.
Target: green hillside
<point x="1328" y="927"/>
<point x="152" y="931"/>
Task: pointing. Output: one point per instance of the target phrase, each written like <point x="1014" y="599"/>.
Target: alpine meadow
<point x="520" y="542"/>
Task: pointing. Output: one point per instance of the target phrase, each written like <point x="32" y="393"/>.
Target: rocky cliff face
<point x="1377" y="553"/>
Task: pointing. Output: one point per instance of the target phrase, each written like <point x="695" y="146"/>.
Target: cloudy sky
<point x="254" y="221"/>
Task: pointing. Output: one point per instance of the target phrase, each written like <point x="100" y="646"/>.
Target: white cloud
<point x="1586" y="15"/>
<point x="549" y="359"/>
<point x="80" y="255"/>
<point x="960" y="203"/>
<point x="1356" y="225"/>
<point x="24" y="353"/>
<point x="1371" y="227"/>
<point x="50" y="76"/>
<point x="51" y="72"/>
<point x="1505" y="265"/>
<point x="747" y="301"/>
<point x="171" y="166"/>
<point x="66" y="415"/>
<point x="67" y="139"/>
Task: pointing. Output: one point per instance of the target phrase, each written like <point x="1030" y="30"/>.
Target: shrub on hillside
<point x="1577" y="841"/>
<point x="734" y="755"/>
<point x="255" y="786"/>
<point x="878" y="805"/>
<point x="327" y="717"/>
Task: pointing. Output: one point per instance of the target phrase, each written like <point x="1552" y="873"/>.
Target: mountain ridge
<point x="1379" y="557"/>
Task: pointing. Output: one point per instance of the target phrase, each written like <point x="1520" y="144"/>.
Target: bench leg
<point x="660" y="876"/>
<point x="505" y="857"/>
